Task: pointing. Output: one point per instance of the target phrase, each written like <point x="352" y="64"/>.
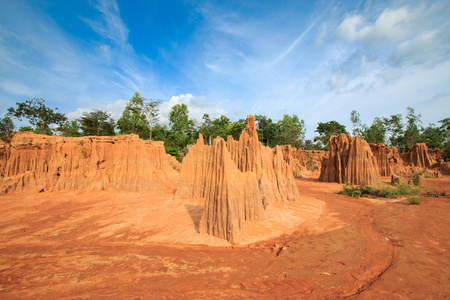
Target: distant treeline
<point x="141" y="117"/>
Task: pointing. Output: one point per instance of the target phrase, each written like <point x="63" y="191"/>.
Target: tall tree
<point x="291" y="131"/>
<point x="6" y="126"/>
<point x="37" y="113"/>
<point x="235" y="128"/>
<point x="179" y="125"/>
<point x="326" y="130"/>
<point x="412" y="132"/>
<point x="394" y="126"/>
<point x="267" y="130"/>
<point x="133" y="119"/>
<point x="151" y="111"/>
<point x="206" y="128"/>
<point x="97" y="122"/>
<point x="358" y="127"/>
<point x="376" y="133"/>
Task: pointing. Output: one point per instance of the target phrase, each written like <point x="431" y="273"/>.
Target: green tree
<point x="394" y="127"/>
<point x="267" y="130"/>
<point x="326" y="130"/>
<point x="358" y="127"/>
<point x="133" y="119"/>
<point x="151" y="111"/>
<point x="37" y="113"/>
<point x="179" y="127"/>
<point x="160" y="132"/>
<point x="206" y="128"/>
<point x="6" y="126"/>
<point x="412" y="132"/>
<point x="311" y="145"/>
<point x="220" y="127"/>
<point x="432" y="136"/>
<point x="291" y="131"/>
<point x="70" y="129"/>
<point x="235" y="128"/>
<point x="97" y="122"/>
<point x="376" y="133"/>
<point x="26" y="128"/>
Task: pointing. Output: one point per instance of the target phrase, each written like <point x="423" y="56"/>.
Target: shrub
<point x="385" y="191"/>
<point x="415" y="200"/>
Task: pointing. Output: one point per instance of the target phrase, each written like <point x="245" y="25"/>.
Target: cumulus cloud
<point x="392" y="25"/>
<point x="197" y="106"/>
<point x="114" y="108"/>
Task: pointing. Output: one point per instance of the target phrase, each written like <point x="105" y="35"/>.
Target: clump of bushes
<point x="385" y="191"/>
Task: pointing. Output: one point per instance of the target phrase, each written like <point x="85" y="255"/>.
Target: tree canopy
<point x="37" y="113"/>
<point x="326" y="130"/>
<point x="97" y="122"/>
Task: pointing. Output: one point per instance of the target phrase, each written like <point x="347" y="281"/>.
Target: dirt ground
<point x="78" y="245"/>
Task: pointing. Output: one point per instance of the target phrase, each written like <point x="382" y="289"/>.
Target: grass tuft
<point x="415" y="200"/>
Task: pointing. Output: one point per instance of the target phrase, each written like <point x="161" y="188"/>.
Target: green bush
<point x="385" y="191"/>
<point x="415" y="200"/>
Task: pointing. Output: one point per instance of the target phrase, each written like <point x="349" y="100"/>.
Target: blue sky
<point x="318" y="60"/>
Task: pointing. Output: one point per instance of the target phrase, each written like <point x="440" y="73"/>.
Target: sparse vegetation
<point x="415" y="200"/>
<point x="386" y="191"/>
<point x="310" y="165"/>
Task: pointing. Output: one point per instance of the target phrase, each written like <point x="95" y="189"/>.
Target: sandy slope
<point x="131" y="245"/>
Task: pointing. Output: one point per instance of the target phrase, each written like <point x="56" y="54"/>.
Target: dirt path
<point x="96" y="245"/>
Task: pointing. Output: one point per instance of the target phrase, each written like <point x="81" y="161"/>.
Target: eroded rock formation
<point x="418" y="156"/>
<point x="303" y="160"/>
<point x="387" y="158"/>
<point x="194" y="171"/>
<point x="232" y="196"/>
<point x="48" y="163"/>
<point x="216" y="172"/>
<point x="275" y="177"/>
<point x="350" y="161"/>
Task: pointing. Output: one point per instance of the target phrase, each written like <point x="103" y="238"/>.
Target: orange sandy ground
<point x="77" y="245"/>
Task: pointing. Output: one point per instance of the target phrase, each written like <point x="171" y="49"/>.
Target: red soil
<point x="146" y="245"/>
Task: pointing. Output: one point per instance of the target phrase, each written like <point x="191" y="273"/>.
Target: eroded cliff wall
<point x="37" y="162"/>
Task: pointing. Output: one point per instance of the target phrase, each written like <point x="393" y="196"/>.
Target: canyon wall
<point x="38" y="163"/>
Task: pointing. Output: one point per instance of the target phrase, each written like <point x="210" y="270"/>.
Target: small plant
<point x="81" y="143"/>
<point x="37" y="146"/>
<point x="417" y="173"/>
<point x="444" y="193"/>
<point x="415" y="200"/>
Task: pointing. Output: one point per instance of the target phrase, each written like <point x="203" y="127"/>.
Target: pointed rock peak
<point x="200" y="139"/>
<point x="251" y="127"/>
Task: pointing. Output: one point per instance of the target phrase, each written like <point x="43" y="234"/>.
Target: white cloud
<point x="115" y="108"/>
<point x="16" y="88"/>
<point x="427" y="48"/>
<point x="392" y="25"/>
<point x="197" y="106"/>
<point x="111" y="25"/>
